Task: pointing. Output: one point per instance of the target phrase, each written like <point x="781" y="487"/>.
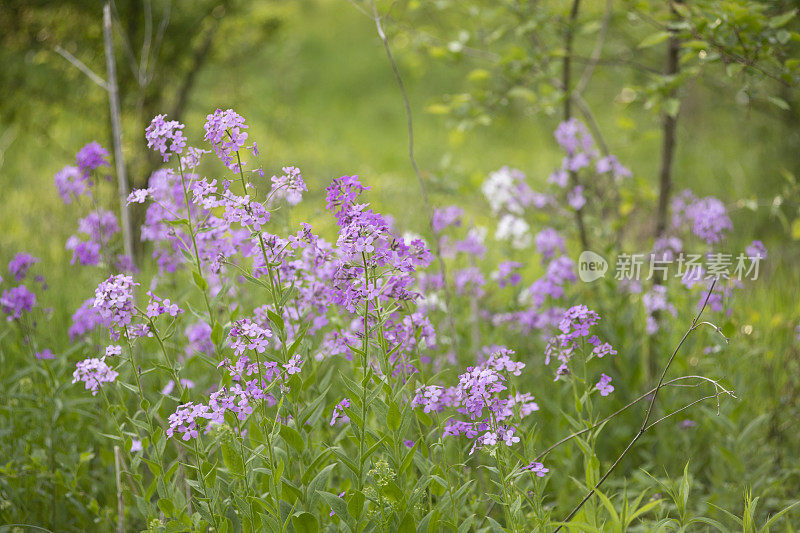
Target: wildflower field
<point x="413" y="266"/>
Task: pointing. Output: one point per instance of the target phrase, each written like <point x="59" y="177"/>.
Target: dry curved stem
<point x="673" y="382"/>
<point x="410" y="125"/>
<point x="597" y="51"/>
<point x="645" y="426"/>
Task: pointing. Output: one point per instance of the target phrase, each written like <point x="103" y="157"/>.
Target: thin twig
<point x="580" y="103"/>
<point x="597" y="51"/>
<point x="146" y="42"/>
<point x="120" y="501"/>
<point x="644" y="427"/>
<point x="80" y="65"/>
<point x="116" y="128"/>
<point x="410" y="125"/>
<point x="626" y="407"/>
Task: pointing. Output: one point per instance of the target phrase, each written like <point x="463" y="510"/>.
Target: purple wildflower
<point x="506" y="273"/>
<point x="290" y="186"/>
<point x="91" y="157"/>
<point x="338" y="411"/>
<point x="157" y="307"/>
<point x="611" y="164"/>
<point x="445" y="217"/>
<point x="575" y="198"/>
<point x="16" y="301"/>
<point x="536" y="468"/>
<point x="85" y="253"/>
<point x="707" y="216"/>
<point x="138" y="196"/>
<point x="47" y="353"/>
<point x="224" y="130"/>
<point x="71" y="183"/>
<point x="114" y="300"/>
<point x="85" y="319"/>
<point x="756" y="249"/>
<point x="93" y="372"/>
<point x="604" y="385"/>
<point x="292" y="366"/>
<point x="165" y="136"/>
<point x="20" y="264"/>
<point x="548" y="242"/>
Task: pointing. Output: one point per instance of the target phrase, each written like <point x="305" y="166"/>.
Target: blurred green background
<point x="318" y="92"/>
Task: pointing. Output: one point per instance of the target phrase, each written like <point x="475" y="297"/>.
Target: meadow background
<point x="314" y="83"/>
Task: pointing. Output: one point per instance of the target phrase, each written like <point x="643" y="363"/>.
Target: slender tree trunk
<point x="116" y="128"/>
<point x="566" y="81"/>
<point x="668" y="142"/>
<point x="669" y="126"/>
<point x="120" y="500"/>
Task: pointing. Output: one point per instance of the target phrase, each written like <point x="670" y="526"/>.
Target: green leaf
<point x="336" y="503"/>
<point x="217" y="333"/>
<point x="199" y="280"/>
<point x="305" y="523"/>
<point x="318" y="483"/>
<point x="780" y="20"/>
<point x="292" y="438"/>
<point x="393" y="417"/>
<point x="780" y="102"/>
<point x="166" y="506"/>
<point x="176" y="222"/>
<point x="232" y="459"/>
<point x="407" y="525"/>
<point x="773" y="518"/>
<point x="275" y="319"/>
<point x="654" y="39"/>
<point x="356" y="504"/>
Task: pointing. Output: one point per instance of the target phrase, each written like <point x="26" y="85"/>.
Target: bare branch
<point x="80" y="65"/>
<point x="597" y="51"/>
<point x="644" y="427"/>
<point x="410" y="125"/>
<point x="116" y="127"/>
<point x="672" y="382"/>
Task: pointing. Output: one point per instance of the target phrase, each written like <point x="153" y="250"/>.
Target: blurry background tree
<point x="160" y="46"/>
<point x="527" y="57"/>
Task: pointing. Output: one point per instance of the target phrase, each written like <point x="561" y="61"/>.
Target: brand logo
<point x="591" y="266"/>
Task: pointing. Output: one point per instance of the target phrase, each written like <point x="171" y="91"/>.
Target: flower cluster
<point x="157" y="307"/>
<point x="575" y="336"/>
<point x="365" y="244"/>
<point x="224" y="130"/>
<point x="114" y="301"/>
<point x="16" y="301"/>
<point x="479" y="397"/>
<point x="73" y="182"/>
<point x="91" y="157"/>
<point x="20" y="264"/>
<point x="707" y="217"/>
<point x="165" y="136"/>
<point x="93" y="372"/>
<point x="446" y="217"/>
<point x="338" y="412"/>
<point x="289" y="187"/>
<point x="246" y="334"/>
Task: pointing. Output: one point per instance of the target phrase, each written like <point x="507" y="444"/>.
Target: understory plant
<point x="266" y="376"/>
